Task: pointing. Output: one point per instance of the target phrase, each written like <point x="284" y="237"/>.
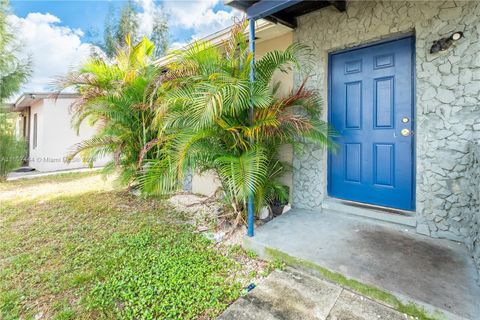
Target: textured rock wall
<point x="187" y="182"/>
<point x="447" y="107"/>
<point x="473" y="188"/>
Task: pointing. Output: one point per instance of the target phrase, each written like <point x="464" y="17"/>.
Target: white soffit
<point x="265" y="30"/>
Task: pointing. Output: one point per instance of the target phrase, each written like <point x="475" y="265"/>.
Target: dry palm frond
<point x="147" y="147"/>
<point x="233" y="44"/>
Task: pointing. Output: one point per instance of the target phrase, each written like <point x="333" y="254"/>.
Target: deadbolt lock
<point x="405" y="120"/>
<point x="405" y="132"/>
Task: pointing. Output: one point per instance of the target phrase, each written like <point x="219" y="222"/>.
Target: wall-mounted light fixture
<point x="445" y="43"/>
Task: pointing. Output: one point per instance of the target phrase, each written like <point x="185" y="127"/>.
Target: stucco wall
<point x="56" y="137"/>
<point x="206" y="183"/>
<point x="447" y="106"/>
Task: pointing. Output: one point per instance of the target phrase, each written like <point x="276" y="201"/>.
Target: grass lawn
<point x="73" y="247"/>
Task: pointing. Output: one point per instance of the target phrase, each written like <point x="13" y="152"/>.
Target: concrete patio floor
<point x="437" y="274"/>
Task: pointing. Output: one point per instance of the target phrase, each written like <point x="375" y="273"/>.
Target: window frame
<point x="35" y="131"/>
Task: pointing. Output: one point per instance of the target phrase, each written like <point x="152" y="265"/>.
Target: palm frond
<point x="109" y="143"/>
<point x="117" y="98"/>
<point x="158" y="176"/>
<point x="284" y="61"/>
<point x="243" y="175"/>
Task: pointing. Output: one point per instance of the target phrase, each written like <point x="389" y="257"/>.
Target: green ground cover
<point x="73" y="247"/>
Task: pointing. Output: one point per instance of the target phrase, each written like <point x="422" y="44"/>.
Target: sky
<point x="58" y="35"/>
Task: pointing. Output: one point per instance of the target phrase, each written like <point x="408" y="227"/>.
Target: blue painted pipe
<point x="250" y="207"/>
<point x="250" y="216"/>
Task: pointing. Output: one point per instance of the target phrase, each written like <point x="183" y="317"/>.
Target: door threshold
<point x="391" y="215"/>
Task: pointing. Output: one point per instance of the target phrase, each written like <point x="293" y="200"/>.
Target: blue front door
<point x="371" y="107"/>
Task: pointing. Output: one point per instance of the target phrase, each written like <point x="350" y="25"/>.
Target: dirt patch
<point x="209" y="216"/>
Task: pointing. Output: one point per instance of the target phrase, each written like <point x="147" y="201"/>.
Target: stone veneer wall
<point x="473" y="188"/>
<point x="447" y="106"/>
<point x="187" y="182"/>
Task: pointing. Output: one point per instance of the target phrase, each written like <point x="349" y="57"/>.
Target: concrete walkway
<point x="437" y="274"/>
<point x="37" y="174"/>
<point x="294" y="295"/>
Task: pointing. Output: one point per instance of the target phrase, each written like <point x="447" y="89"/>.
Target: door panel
<point x="371" y="92"/>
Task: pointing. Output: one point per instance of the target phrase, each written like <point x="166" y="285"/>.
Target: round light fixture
<point x="456" y="36"/>
<point x="445" y="43"/>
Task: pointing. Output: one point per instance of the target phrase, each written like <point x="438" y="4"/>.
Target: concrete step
<point x="393" y="216"/>
<point x="286" y="295"/>
<point x="291" y="294"/>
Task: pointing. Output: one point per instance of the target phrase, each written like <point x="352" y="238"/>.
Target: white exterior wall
<point x="56" y="137"/>
<point x="206" y="183"/>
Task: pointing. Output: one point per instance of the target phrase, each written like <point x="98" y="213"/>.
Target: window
<point x="35" y="129"/>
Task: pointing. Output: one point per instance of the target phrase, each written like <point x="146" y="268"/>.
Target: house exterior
<point x="407" y="113"/>
<point x="44" y="121"/>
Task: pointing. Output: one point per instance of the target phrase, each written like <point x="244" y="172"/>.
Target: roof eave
<point x="283" y="11"/>
<point x="29" y="98"/>
<point x="219" y="37"/>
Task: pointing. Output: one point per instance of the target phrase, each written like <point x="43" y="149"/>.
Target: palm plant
<point x="118" y="99"/>
<point x="204" y="112"/>
<point x="13" y="71"/>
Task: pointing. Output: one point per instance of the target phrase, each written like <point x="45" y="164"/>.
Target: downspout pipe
<point x="251" y="43"/>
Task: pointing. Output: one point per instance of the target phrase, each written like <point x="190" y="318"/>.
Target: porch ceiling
<point x="290" y="10"/>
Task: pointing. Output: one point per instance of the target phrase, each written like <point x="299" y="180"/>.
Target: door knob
<point x="405" y="132"/>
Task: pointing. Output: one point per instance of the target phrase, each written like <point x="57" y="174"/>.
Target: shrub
<point x="205" y="112"/>
<point x="118" y="99"/>
<point x="12" y="150"/>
